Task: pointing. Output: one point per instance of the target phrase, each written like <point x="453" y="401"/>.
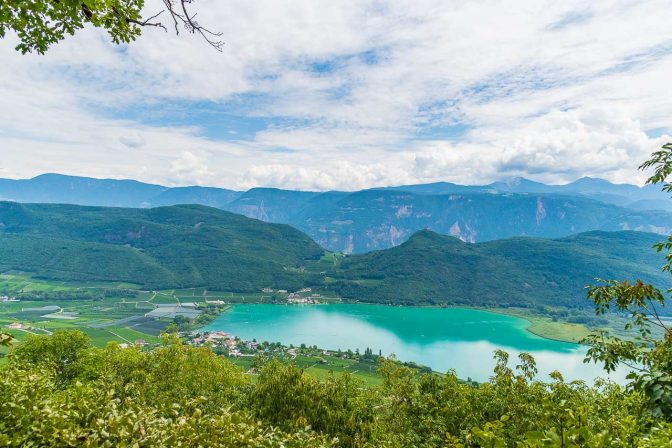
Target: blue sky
<point x="351" y="94"/>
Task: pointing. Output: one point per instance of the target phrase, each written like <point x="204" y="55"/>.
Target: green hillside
<point x="195" y="246"/>
<point x="435" y="269"/>
<point x="165" y="247"/>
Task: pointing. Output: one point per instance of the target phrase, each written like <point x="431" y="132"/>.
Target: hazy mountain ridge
<point x="377" y="219"/>
<point x="372" y="219"/>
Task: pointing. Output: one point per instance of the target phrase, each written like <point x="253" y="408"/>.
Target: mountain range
<point x="196" y="246"/>
<point x="362" y="221"/>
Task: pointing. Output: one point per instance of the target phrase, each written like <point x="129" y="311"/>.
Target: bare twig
<point x="179" y="16"/>
<point x="658" y="322"/>
<point x="190" y="24"/>
<point x="149" y="22"/>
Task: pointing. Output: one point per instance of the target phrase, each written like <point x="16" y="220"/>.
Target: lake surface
<point x="442" y="338"/>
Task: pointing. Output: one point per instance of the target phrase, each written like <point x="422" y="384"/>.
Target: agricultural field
<point x="104" y="311"/>
<point x="116" y="312"/>
<point x="322" y="366"/>
<point x="18" y="282"/>
<point x="104" y="321"/>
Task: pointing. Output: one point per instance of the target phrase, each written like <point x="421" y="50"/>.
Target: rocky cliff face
<point x="374" y="220"/>
<point x="382" y="218"/>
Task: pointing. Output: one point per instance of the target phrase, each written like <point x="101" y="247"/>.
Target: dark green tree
<point x="649" y="354"/>
<point x="41" y="23"/>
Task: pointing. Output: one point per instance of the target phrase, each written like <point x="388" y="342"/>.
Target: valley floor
<point x="120" y="312"/>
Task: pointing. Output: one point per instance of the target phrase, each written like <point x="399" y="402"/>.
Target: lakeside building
<point x="297" y="299"/>
<point x="216" y="336"/>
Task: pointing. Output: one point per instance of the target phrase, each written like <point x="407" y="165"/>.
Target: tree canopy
<point x="647" y="356"/>
<point x="60" y="391"/>
<point x="41" y="23"/>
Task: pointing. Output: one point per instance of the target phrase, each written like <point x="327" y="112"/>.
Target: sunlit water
<point x="442" y="338"/>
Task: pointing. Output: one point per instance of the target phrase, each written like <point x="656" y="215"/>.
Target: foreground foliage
<point x="61" y="391"/>
<point x="39" y="24"/>
<point x="648" y="357"/>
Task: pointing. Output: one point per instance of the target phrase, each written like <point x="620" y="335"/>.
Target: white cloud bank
<point x="353" y="94"/>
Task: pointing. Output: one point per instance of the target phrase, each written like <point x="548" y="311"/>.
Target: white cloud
<point x="340" y="175"/>
<point x="191" y="168"/>
<point x="555" y="147"/>
<point x="549" y="90"/>
<point x="132" y="141"/>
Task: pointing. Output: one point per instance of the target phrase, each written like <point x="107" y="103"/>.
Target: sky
<point x="345" y="95"/>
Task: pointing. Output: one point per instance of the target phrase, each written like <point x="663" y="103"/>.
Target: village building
<point x="216" y="336"/>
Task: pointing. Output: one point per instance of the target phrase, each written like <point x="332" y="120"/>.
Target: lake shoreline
<point x="545" y="327"/>
<point x="541" y="326"/>
<point x="441" y="338"/>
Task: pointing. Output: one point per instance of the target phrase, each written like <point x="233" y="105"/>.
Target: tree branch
<point x="149" y="22"/>
<point x="190" y="24"/>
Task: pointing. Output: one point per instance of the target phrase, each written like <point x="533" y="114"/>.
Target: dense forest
<point x="165" y="247"/>
<point x="433" y="269"/>
<point x="198" y="246"/>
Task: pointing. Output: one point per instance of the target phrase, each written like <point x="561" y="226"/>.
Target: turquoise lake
<point x="442" y="338"/>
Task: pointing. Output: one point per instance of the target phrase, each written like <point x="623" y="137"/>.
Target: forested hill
<point x="164" y="247"/>
<point x="436" y="269"/>
<point x="196" y="246"/>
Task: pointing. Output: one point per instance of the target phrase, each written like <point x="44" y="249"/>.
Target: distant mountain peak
<point x="591" y="180"/>
<point x="516" y="181"/>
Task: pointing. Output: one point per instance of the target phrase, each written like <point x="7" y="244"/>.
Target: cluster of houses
<point x="225" y="344"/>
<point x="299" y="299"/>
<point x="232" y="345"/>
<point x="302" y="296"/>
